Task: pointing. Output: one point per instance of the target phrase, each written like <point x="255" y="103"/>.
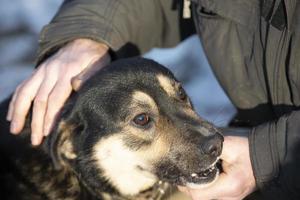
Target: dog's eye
<point x="141" y="119"/>
<point x="181" y="94"/>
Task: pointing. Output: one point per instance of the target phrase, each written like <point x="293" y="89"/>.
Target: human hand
<point x="237" y="179"/>
<point x="51" y="84"/>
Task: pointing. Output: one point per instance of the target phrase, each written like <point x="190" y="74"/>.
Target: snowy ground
<point x="21" y="20"/>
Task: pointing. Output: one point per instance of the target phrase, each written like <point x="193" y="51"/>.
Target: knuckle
<point x="70" y="72"/>
<point x="23" y="92"/>
<point x="59" y="95"/>
<point x="38" y="101"/>
<point x="70" y="63"/>
<point x="54" y="104"/>
<point x="53" y="101"/>
<point x="62" y="62"/>
<point x="53" y="66"/>
<point x="53" y="62"/>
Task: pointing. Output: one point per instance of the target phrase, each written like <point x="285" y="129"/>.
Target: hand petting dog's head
<point x="131" y="125"/>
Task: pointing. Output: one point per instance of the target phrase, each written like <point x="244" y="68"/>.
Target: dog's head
<point x="131" y="125"/>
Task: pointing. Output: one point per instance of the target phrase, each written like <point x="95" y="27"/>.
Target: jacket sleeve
<point x="141" y="23"/>
<point x="275" y="157"/>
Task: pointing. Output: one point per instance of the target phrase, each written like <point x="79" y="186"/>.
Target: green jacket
<point x="253" y="47"/>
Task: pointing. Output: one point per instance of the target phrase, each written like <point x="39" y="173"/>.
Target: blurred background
<point x="22" y="20"/>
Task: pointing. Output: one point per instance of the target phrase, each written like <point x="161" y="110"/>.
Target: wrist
<point x="89" y="45"/>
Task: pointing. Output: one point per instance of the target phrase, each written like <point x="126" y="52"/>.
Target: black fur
<point x="96" y="111"/>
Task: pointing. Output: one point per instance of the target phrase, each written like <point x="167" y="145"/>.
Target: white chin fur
<point x="204" y="185"/>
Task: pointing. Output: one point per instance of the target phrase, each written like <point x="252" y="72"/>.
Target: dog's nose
<point x="213" y="145"/>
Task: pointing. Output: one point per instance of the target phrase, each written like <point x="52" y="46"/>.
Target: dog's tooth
<point x="194" y="175"/>
<point x="161" y="191"/>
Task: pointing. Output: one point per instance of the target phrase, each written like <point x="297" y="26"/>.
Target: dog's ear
<point x="59" y="143"/>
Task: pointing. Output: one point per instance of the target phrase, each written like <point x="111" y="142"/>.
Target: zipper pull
<point x="186" y="14"/>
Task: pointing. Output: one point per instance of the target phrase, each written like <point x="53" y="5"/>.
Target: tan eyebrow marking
<point x="166" y="84"/>
<point x="142" y="97"/>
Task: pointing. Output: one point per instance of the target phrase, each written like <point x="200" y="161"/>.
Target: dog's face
<point x="131" y="125"/>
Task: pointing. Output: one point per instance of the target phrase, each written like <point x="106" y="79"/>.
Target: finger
<point x="11" y="103"/>
<point x="228" y="148"/>
<point x="78" y="80"/>
<point x="57" y="98"/>
<point x="22" y="101"/>
<point x="39" y="108"/>
<point x="94" y="66"/>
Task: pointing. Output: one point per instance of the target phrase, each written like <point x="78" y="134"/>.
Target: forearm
<point x="141" y="23"/>
<point x="275" y="150"/>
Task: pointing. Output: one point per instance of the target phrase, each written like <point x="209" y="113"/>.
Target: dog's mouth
<point x="199" y="179"/>
<point x="202" y="178"/>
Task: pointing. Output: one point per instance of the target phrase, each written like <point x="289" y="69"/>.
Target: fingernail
<point x="46" y="131"/>
<point x="13" y="127"/>
<point x="34" y="140"/>
<point x="8" y="117"/>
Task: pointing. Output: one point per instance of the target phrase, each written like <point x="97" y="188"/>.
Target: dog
<point x="130" y="132"/>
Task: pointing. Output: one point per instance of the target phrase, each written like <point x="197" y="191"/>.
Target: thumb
<point x="93" y="67"/>
<point x="235" y="148"/>
<point x="229" y="150"/>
